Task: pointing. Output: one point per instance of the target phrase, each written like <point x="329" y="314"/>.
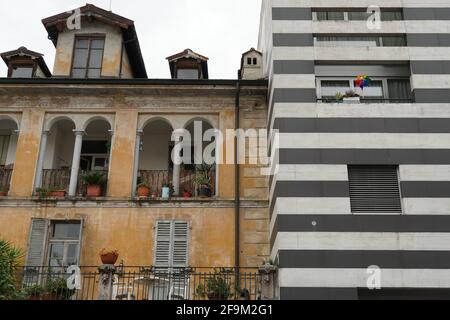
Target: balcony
<point x="142" y="283"/>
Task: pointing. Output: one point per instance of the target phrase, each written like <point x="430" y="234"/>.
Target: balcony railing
<point x="367" y="100"/>
<point x="143" y="283"/>
<point x="5" y="178"/>
<point x="59" y="179"/>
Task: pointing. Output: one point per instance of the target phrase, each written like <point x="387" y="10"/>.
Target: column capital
<point x="111" y="132"/>
<point x="44" y="132"/>
<point x="140" y="132"/>
<point x="79" y="132"/>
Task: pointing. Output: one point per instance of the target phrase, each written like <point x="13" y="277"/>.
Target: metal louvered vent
<point x="374" y="189"/>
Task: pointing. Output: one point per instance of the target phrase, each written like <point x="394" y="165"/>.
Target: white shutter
<point x="171" y="249"/>
<point x="180" y="244"/>
<point x="163" y="239"/>
<point x="36" y="243"/>
<point x="80" y="239"/>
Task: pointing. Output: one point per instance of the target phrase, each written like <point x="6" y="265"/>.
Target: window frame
<point x="90" y="38"/>
<point x="384" y="81"/>
<point x="377" y="37"/>
<point x="347" y="16"/>
<point x="65" y="242"/>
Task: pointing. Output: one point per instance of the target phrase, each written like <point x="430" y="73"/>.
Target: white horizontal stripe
<point x="426" y="206"/>
<point x="425" y="173"/>
<point x="361" y="3"/>
<point x="357" y="278"/>
<point x="430" y="81"/>
<point x="294" y="81"/>
<point x="321" y="172"/>
<point x="390" y="241"/>
<point x="364" y="141"/>
<point x="362" y="54"/>
<point x="359" y="27"/>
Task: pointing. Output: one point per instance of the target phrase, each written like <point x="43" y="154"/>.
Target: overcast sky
<point x="221" y="30"/>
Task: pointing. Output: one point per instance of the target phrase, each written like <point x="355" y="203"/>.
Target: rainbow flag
<point x="362" y="81"/>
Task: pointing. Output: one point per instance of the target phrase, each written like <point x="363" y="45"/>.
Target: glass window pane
<point x="322" y="15"/>
<point x="95" y="60"/>
<point x="94" y="73"/>
<point x="394" y="41"/>
<point x="358" y="15"/>
<point x="72" y="254"/>
<point x="80" y="58"/>
<point x="22" y="72"/>
<point x="187" y="74"/>
<point x="330" y="88"/>
<point x="57" y="255"/>
<point x="374" y="90"/>
<point x="82" y="44"/>
<point x="79" y="73"/>
<point x="66" y="231"/>
<point x="97" y="44"/>
<point x="391" y="15"/>
<point x="335" y="15"/>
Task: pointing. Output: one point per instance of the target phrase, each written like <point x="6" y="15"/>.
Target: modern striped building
<point x="362" y="181"/>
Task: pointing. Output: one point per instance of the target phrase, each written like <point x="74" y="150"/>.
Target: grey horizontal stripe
<point x="333" y="189"/>
<point x="425" y="189"/>
<point x="291" y="14"/>
<point x="381" y="125"/>
<point x="430" y="67"/>
<point x="364" y="156"/>
<point x="428" y="39"/>
<point x="363" y="259"/>
<point x="290" y="95"/>
<point x="293" y="40"/>
<point x="431" y="95"/>
<point x="323" y="293"/>
<point x="293" y="67"/>
<point x="426" y="13"/>
<point x="287" y="293"/>
<point x="361" y="223"/>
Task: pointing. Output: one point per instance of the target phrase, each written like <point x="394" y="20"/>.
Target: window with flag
<point x="374" y="189"/>
<point x="172" y="243"/>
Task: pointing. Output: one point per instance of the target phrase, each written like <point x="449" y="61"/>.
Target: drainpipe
<point x="237" y="186"/>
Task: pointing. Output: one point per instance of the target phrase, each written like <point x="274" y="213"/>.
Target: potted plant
<point x="42" y="192"/>
<point x="34" y="292"/>
<point x="167" y="190"/>
<point x="351" y="96"/>
<point x="56" y="289"/>
<point x="94" y="182"/>
<point x="203" y="180"/>
<point x="109" y="256"/>
<point x="186" y="194"/>
<point x="57" y="192"/>
<point x="143" y="190"/>
<point x="4" y="192"/>
<point x="154" y="194"/>
<point x="216" y="287"/>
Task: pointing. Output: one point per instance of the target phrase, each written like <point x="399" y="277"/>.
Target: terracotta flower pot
<point x="94" y="191"/>
<point x="143" y="192"/>
<point x="58" y="193"/>
<point x="3" y="194"/>
<point x="155" y="195"/>
<point x="186" y="195"/>
<point x="109" y="258"/>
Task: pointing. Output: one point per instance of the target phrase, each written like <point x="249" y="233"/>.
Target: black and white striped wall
<point x="322" y="247"/>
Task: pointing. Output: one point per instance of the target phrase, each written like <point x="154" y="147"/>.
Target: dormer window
<point x="255" y="61"/>
<point x="188" y="65"/>
<point x="22" y="72"/>
<point x="88" y="57"/>
<point x="187" y="74"/>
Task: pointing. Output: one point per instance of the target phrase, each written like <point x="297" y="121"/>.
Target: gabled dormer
<point x="251" y="65"/>
<point x="94" y="43"/>
<point x="24" y="63"/>
<point x="188" y="65"/>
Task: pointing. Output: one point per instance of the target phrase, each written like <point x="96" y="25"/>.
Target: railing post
<point x="268" y="272"/>
<point x="106" y="281"/>
<point x="75" y="162"/>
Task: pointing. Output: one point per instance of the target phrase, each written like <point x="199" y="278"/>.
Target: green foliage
<point x="94" y="178"/>
<point x="42" y="192"/>
<point x="58" y="287"/>
<point x="143" y="185"/>
<point x="203" y="177"/>
<point x="10" y="257"/>
<point x="216" y="287"/>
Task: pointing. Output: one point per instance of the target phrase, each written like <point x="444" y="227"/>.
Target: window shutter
<point x="374" y="189"/>
<point x="36" y="242"/>
<point x="80" y="240"/>
<point x="163" y="239"/>
<point x="180" y="244"/>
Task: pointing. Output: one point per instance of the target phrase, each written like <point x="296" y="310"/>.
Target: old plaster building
<point x="98" y="111"/>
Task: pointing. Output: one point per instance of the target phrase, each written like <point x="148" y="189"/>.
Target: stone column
<point x="40" y="164"/>
<point x="75" y="162"/>
<point x="176" y="163"/>
<point x="137" y="154"/>
<point x="106" y="281"/>
<point x="268" y="272"/>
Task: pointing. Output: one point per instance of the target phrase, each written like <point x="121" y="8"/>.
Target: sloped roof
<point x="57" y="23"/>
<point x="187" y="53"/>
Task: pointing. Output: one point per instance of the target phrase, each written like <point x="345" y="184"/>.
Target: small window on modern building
<point x="88" y="57"/>
<point x="22" y="72"/>
<point x="374" y="189"/>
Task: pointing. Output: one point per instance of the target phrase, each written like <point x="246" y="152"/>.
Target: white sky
<point x="219" y="29"/>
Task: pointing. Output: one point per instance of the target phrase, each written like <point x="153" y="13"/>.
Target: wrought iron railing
<point x="142" y="283"/>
